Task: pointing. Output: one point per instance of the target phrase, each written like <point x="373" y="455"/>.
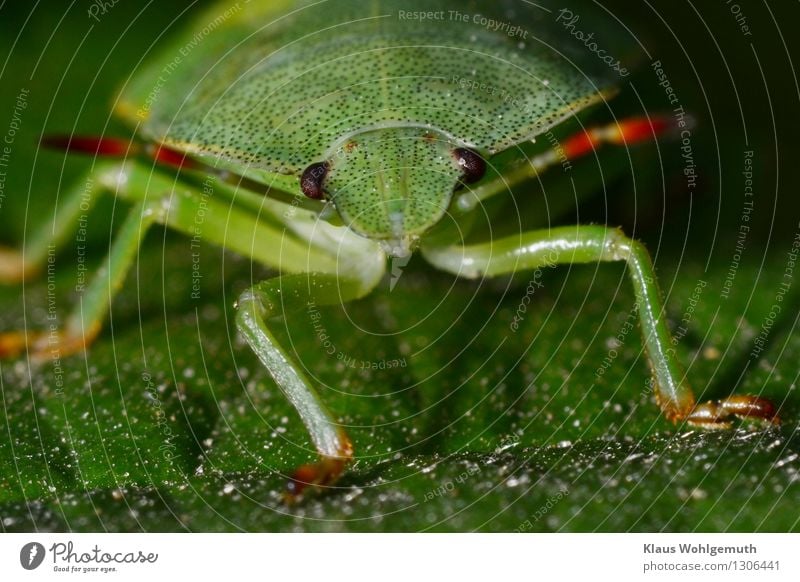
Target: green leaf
<point x="169" y="423"/>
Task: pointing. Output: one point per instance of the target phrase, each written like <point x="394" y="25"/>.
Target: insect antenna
<point x="113" y="147"/>
<point x="163" y="155"/>
<point x="98" y="146"/>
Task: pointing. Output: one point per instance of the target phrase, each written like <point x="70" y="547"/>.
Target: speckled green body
<point x="382" y="91"/>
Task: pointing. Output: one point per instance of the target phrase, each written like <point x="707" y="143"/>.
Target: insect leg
<point x="284" y="295"/>
<point x="18" y="265"/>
<point x="321" y="263"/>
<point x="127" y="180"/>
<point x="590" y="244"/>
<point x="84" y="322"/>
<point x="107" y="177"/>
<point x="624" y="132"/>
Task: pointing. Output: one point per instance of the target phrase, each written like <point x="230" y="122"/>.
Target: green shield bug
<point x="342" y="135"/>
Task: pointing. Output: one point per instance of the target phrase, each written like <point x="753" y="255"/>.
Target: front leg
<point x="589" y="244"/>
<point x="289" y="294"/>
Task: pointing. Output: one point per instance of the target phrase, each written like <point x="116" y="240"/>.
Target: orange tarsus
<point x="13" y="343"/>
<point x="14" y="268"/>
<point x="751" y="407"/>
<point x="323" y="473"/>
<point x="717" y="413"/>
<point x="43" y="345"/>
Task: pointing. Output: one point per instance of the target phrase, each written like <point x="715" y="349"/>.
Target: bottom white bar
<point x="400" y="557"/>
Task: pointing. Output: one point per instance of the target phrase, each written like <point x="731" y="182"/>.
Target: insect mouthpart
<point x="399" y="247"/>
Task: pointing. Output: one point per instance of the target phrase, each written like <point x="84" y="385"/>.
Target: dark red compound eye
<point x="312" y="179"/>
<point x="472" y="165"/>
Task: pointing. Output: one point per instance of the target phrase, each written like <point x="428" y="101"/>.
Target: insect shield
<point x="31" y="555"/>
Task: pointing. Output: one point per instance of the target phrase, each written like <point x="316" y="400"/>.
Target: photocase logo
<point x="31" y="555"/>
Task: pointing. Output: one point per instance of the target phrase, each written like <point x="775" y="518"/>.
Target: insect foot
<point x="13" y="268"/>
<point x="43" y="347"/>
<point x="719" y="414"/>
<point x="13" y="343"/>
<point x="318" y="475"/>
